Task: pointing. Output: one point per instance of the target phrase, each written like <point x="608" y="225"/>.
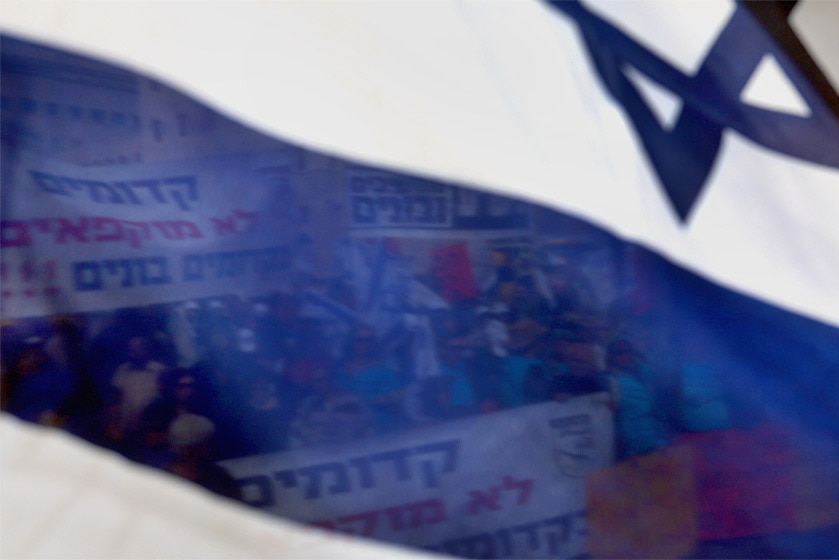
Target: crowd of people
<point x="184" y="385"/>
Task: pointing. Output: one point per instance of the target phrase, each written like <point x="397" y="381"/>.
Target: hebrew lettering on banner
<point x="110" y="274"/>
<point x="180" y="192"/>
<point x="547" y="538"/>
<point x="115" y="235"/>
<point x="125" y="273"/>
<point x="134" y="233"/>
<point x="380" y="201"/>
<point x="433" y="487"/>
<point x="427" y="462"/>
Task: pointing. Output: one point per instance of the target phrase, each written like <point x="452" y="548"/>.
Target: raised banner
<point x="382" y="202"/>
<point x="88" y="239"/>
<point x="438" y="488"/>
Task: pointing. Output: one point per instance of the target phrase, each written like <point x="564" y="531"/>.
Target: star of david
<point x="683" y="157"/>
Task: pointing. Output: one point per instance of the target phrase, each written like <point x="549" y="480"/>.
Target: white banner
<point x="451" y="487"/>
<point x="395" y="204"/>
<point x="87" y="239"/>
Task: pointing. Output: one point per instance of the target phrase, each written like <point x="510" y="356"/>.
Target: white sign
<point x="390" y="203"/>
<point x="88" y="239"/>
<point x="503" y="485"/>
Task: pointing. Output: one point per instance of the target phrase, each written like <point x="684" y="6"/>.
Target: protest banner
<point x="393" y="204"/>
<point x="435" y="488"/>
<point x="655" y="492"/>
<point x="88" y="239"/>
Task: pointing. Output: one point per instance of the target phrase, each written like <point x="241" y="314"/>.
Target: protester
<point x="260" y="374"/>
<point x="703" y="403"/>
<point x="189" y="436"/>
<point x="365" y="374"/>
<point x="451" y="394"/>
<point x="37" y="386"/>
<point x="137" y="381"/>
<point x="184" y="330"/>
<point x="184" y="391"/>
<point x="637" y="429"/>
<point x="582" y="374"/>
<point x="525" y="336"/>
<point x="286" y="335"/>
<point x="262" y="419"/>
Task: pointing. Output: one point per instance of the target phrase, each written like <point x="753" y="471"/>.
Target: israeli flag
<point x="651" y="187"/>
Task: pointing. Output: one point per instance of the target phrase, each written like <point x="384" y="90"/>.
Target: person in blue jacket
<point x="637" y="429"/>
